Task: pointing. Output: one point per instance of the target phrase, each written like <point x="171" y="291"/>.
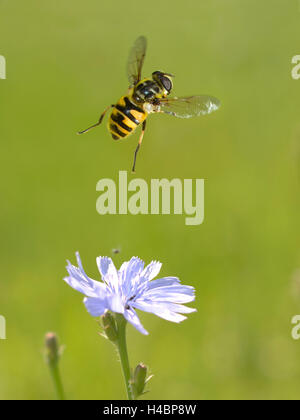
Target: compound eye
<point x="167" y="84"/>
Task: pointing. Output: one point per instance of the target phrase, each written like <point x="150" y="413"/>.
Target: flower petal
<point x="173" y="293"/>
<point x="79" y="281"/>
<point x="108" y="272"/>
<point x="78" y="259"/>
<point x="151" y="271"/>
<point x="95" y="306"/>
<point x="159" y="309"/>
<point x="163" y="282"/>
<point x="115" y="303"/>
<point x="131" y="316"/>
<point x="175" y="307"/>
<point x="129" y="274"/>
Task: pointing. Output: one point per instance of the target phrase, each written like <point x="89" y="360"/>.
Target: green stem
<point x="122" y="348"/>
<point x="57" y="380"/>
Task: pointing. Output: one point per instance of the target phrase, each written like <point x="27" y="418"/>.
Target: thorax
<point x="147" y="90"/>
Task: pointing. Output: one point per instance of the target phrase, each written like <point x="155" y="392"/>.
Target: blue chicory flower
<point x="129" y="288"/>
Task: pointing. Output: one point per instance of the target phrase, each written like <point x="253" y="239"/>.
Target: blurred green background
<point x="66" y="62"/>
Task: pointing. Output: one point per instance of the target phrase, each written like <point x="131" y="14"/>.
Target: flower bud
<point x="139" y="379"/>
<point x="109" y="326"/>
<point x="52" y="352"/>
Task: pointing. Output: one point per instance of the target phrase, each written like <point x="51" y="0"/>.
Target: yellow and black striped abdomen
<point x="125" y="118"/>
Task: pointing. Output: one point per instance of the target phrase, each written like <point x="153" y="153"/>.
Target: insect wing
<point x="190" y="106"/>
<point x="136" y="60"/>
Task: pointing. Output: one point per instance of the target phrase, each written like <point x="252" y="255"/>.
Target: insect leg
<point x="99" y="122"/>
<point x="139" y="145"/>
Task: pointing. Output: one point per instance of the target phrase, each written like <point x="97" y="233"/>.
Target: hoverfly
<point x="146" y="96"/>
